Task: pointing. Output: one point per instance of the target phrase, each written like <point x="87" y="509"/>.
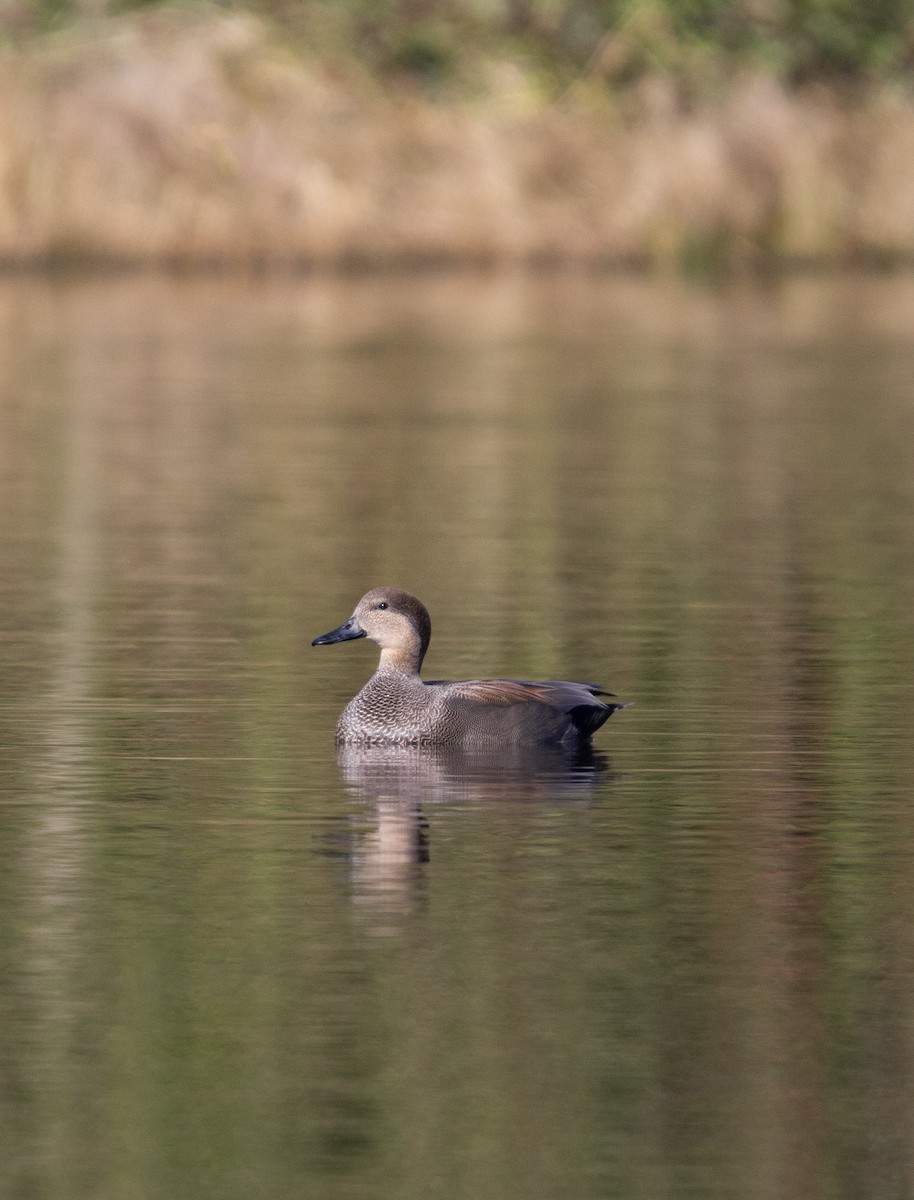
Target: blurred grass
<point x="404" y="132"/>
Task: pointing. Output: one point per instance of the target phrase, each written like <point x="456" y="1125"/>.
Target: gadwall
<point x="396" y="707"/>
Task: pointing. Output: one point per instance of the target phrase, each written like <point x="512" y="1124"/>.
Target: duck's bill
<point x="343" y="633"/>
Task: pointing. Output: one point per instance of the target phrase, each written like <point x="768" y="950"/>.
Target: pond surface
<point x="233" y="966"/>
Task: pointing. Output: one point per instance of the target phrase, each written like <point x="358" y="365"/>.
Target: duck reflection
<point x="403" y="782"/>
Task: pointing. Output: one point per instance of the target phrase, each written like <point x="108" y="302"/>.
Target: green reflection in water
<point x="225" y="963"/>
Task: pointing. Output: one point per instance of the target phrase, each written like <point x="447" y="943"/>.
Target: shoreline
<point x="196" y="141"/>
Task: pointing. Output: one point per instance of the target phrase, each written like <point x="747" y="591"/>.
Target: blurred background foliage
<point x="437" y="41"/>
<point x="689" y="134"/>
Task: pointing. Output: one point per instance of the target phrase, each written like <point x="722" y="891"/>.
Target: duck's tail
<point x="589" y="717"/>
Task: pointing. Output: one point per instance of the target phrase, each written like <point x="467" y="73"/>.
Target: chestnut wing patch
<point x="560" y="694"/>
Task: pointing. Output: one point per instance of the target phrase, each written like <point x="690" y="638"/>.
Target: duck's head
<point x="397" y="621"/>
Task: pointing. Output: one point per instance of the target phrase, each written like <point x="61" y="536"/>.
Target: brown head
<point x="396" y="620"/>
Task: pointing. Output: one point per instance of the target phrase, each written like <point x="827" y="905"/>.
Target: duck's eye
<point x="383" y="604"/>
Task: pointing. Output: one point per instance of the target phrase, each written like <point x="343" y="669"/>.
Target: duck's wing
<point x="560" y="693"/>
<point x="580" y="701"/>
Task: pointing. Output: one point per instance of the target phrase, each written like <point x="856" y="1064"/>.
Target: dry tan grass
<point x="174" y="138"/>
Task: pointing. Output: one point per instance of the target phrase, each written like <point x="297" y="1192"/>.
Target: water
<point x="231" y="965"/>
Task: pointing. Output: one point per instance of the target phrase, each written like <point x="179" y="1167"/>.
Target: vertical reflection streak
<point x="55" y="855"/>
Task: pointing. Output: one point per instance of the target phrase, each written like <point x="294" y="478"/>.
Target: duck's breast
<point x="389" y="708"/>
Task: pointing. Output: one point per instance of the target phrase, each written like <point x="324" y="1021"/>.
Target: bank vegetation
<point x="318" y="135"/>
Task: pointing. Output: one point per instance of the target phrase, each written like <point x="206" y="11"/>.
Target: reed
<point x="198" y="137"/>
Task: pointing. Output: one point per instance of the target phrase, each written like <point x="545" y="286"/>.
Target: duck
<point x="397" y="707"/>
